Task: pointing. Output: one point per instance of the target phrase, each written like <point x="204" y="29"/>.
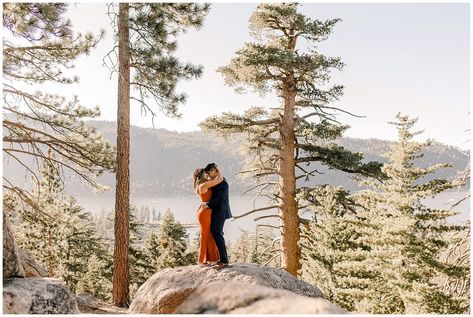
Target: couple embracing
<point x="212" y="188"/>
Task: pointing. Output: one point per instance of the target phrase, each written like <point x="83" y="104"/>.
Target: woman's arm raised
<point x="205" y="186"/>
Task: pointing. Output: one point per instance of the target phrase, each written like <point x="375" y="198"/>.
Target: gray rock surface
<point x="37" y="295"/>
<point x="166" y="290"/>
<point x="30" y="266"/>
<point x="11" y="261"/>
<point x="239" y="298"/>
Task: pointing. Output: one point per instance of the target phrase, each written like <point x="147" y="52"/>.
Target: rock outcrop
<point x="37" y="295"/>
<point x="11" y="260"/>
<point x="166" y="290"/>
<point x="30" y="266"/>
<point x="25" y="289"/>
<point x="240" y="298"/>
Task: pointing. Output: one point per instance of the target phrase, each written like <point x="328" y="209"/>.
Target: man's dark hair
<point x="210" y="166"/>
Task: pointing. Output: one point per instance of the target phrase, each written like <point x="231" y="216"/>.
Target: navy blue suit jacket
<point x="219" y="203"/>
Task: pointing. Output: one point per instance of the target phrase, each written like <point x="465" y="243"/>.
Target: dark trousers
<point x="216" y="226"/>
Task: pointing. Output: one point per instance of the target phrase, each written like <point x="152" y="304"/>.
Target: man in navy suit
<point x="220" y="206"/>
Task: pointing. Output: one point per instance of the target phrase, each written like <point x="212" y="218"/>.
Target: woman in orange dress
<point x="208" y="253"/>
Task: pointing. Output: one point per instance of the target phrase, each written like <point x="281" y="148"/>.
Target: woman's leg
<point x="211" y="248"/>
<point x="203" y="245"/>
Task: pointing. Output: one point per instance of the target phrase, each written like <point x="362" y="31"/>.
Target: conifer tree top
<point x="274" y="57"/>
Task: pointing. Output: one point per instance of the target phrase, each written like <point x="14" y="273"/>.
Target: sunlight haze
<point x="411" y="58"/>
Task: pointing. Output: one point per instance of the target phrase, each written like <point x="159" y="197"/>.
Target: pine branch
<point x="28" y="169"/>
<point x="267" y="216"/>
<point x="84" y="176"/>
<point x="259" y="185"/>
<point x="305" y="222"/>
<point x="270" y="226"/>
<point x="25" y="197"/>
<point x="72" y="147"/>
<point x="273" y="258"/>
<point x="256" y="210"/>
<point x="271" y="245"/>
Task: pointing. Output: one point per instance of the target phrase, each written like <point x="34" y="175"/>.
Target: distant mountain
<point x="162" y="161"/>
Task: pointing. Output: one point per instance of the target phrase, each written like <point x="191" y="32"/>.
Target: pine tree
<point x="379" y="251"/>
<point x="457" y="254"/>
<point x="257" y="247"/>
<point x="173" y="246"/>
<point x="38" y="47"/>
<point x="121" y="274"/>
<point x="194" y="249"/>
<point x="263" y="250"/>
<point x="334" y="237"/>
<point x="141" y="267"/>
<point x="413" y="235"/>
<point x="62" y="237"/>
<point x="41" y="232"/>
<point x="242" y="248"/>
<point x="153" y="251"/>
<point x="81" y="242"/>
<point x="283" y="59"/>
<point x="169" y="247"/>
<point x="93" y="281"/>
<point x="144" y="46"/>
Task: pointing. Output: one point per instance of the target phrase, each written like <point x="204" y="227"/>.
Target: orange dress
<point x="208" y="248"/>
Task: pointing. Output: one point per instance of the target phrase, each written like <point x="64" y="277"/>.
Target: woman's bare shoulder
<point x="202" y="189"/>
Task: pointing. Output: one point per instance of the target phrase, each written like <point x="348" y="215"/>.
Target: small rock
<point x="37" y="295"/>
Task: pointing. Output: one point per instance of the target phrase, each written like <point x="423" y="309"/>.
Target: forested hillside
<point x="162" y="161"/>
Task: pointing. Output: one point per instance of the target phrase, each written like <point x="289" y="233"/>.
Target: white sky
<point x="408" y="58"/>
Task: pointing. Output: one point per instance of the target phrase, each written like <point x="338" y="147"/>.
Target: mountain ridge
<point x="162" y="161"/>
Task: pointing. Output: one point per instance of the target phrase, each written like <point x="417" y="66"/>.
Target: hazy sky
<point x="408" y="58"/>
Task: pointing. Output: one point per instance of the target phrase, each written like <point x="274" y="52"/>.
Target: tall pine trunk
<point x="287" y="179"/>
<point x="121" y="275"/>
<point x="288" y="211"/>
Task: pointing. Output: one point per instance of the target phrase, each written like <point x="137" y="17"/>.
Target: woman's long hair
<point x="199" y="177"/>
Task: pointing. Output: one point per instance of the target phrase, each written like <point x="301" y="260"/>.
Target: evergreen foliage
<point x="242" y="248"/>
<point x="378" y="251"/>
<point x="258" y="247"/>
<point x="93" y="281"/>
<point x="283" y="142"/>
<point x="39" y="46"/>
<point x="169" y="247"/>
<point x="458" y="254"/>
<point x="140" y="267"/>
<point x="154" y="28"/>
<point x="145" y="40"/>
<point x="62" y="237"/>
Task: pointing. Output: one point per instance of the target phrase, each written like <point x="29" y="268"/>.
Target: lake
<point x="185" y="208"/>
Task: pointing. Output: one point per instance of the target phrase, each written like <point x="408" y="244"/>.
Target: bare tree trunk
<point x="288" y="211"/>
<point x="121" y="274"/>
